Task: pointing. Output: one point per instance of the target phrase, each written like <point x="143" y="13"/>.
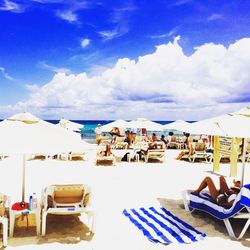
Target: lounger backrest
<point x="200" y="147"/>
<point x="2" y="204"/>
<point x="173" y="138"/>
<point x="119" y="139"/>
<point x="68" y="193"/>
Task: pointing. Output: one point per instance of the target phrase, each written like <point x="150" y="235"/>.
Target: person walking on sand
<point x="98" y="133"/>
<point x="225" y="196"/>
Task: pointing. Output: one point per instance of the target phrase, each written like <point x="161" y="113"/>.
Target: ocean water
<point x="88" y="132"/>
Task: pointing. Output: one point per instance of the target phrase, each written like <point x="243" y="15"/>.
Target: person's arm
<point x="227" y="204"/>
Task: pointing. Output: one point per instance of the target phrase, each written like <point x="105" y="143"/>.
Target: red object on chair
<point x="20" y="206"/>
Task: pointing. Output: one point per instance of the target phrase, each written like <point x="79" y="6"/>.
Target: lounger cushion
<point x="86" y="199"/>
<point x="2" y="205"/>
<point x="68" y="193"/>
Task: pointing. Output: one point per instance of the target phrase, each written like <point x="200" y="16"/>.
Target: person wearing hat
<point x="98" y="133"/>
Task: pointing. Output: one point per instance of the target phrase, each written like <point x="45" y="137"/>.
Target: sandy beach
<point x="114" y="188"/>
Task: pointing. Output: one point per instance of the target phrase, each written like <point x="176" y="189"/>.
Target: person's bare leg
<point x="208" y="182"/>
<point x="223" y="185"/>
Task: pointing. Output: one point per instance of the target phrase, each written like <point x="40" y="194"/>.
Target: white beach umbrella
<point x="121" y="124"/>
<point x="69" y="125"/>
<point x="22" y="136"/>
<point x="140" y="123"/>
<point x="244" y="111"/>
<point x="229" y="125"/>
<point x="25" y="117"/>
<point x="225" y="125"/>
<point x="178" y="125"/>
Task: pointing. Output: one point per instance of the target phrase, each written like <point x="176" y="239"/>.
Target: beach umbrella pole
<point x="23" y="179"/>
<point x="243" y="160"/>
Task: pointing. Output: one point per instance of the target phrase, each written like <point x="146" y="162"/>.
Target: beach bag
<point x="125" y="157"/>
<point x="2" y="204"/>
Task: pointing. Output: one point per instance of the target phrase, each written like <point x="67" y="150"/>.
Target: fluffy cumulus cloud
<point x="85" y="42"/>
<point x="164" y="85"/>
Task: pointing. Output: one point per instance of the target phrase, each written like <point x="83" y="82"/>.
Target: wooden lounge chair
<point x="67" y="200"/>
<point x="4" y="219"/>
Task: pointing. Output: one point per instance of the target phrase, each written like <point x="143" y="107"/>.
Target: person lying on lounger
<point x="225" y="196"/>
<point x="106" y="152"/>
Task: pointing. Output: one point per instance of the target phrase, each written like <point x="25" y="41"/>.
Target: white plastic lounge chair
<point x="3" y="156"/>
<point x="239" y="210"/>
<point x="173" y="142"/>
<point x="72" y="156"/>
<point x="200" y="153"/>
<point x="120" y="143"/>
<point x="66" y="200"/>
<point x="158" y="154"/>
<point x="3" y="219"/>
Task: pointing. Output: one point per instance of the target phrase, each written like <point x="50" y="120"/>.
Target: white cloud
<point x="70" y="13"/>
<point x="118" y="31"/>
<point x="164" y="85"/>
<point x="67" y="15"/>
<point x="52" y="68"/>
<point x="11" y="6"/>
<point x="214" y="17"/>
<point x="85" y="42"/>
<point x="170" y="33"/>
<point x="5" y="74"/>
<point x="181" y="2"/>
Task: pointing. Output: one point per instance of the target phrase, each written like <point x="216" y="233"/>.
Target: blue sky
<point x="43" y="38"/>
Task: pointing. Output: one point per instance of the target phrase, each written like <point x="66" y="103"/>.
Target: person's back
<point x="154" y="137"/>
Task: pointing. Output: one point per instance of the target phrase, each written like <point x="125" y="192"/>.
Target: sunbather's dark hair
<point x="171" y="133"/>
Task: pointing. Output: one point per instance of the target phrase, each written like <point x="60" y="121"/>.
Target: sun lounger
<point x="67" y="200"/>
<point x="3" y="219"/>
<point x="160" y="226"/>
<point x="3" y="156"/>
<point x="200" y="153"/>
<point x="120" y="143"/>
<point x="158" y="154"/>
<point x="105" y="160"/>
<point x="239" y="210"/>
<point x="173" y="142"/>
<point x="40" y="156"/>
<point x="72" y="156"/>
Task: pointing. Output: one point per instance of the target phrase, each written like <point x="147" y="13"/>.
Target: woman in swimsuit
<point x="225" y="196"/>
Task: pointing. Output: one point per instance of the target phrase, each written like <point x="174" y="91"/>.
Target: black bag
<point x="125" y="157"/>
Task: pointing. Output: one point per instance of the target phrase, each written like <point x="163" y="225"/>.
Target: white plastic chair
<point x="66" y="200"/>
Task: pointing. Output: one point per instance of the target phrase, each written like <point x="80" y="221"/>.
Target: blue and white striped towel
<point x="160" y="226"/>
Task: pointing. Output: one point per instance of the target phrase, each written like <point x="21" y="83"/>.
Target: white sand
<point x="126" y="185"/>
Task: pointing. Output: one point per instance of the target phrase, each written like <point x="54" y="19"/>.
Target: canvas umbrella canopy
<point x="141" y="123"/>
<point x="229" y="125"/>
<point x="243" y="111"/>
<point x="178" y="125"/>
<point x="69" y="125"/>
<point x="225" y="125"/>
<point x="122" y="124"/>
<point x="25" y="117"/>
<point x="21" y="136"/>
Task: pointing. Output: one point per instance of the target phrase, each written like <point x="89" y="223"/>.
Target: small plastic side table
<point x="36" y="211"/>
